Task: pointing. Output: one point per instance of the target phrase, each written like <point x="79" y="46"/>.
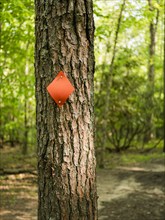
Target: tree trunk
<point x="151" y="74"/>
<point x="25" y="139"/>
<point x="109" y="83"/>
<point x="164" y="80"/>
<point x="66" y="160"/>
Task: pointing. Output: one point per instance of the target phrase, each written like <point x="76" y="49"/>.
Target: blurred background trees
<point x="128" y="75"/>
<point x="17" y="101"/>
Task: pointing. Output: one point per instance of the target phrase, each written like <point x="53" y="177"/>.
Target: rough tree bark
<point x="66" y="160"/>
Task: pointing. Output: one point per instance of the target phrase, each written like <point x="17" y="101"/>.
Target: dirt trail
<point x="132" y="193"/>
<point x="125" y="193"/>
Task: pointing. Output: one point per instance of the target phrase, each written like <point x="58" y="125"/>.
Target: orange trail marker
<point x="60" y="89"/>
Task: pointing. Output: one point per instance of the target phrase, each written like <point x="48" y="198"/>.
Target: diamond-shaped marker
<point x="60" y="89"/>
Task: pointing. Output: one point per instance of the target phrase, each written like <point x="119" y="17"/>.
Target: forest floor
<point x="133" y="191"/>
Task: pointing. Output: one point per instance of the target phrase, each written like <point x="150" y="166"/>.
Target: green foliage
<point x="122" y="83"/>
<point x="125" y="124"/>
<point x="135" y="156"/>
<point x="17" y="80"/>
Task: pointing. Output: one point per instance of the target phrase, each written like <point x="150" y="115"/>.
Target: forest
<point x="128" y="103"/>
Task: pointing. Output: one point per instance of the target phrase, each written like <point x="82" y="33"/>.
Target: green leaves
<point x="128" y="109"/>
<point x="17" y="39"/>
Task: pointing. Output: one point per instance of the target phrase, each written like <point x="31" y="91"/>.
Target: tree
<point x="151" y="70"/>
<point x="66" y="161"/>
<point x="17" y="101"/>
<point x="164" y="84"/>
<point x="108" y="83"/>
<point x="126" y="40"/>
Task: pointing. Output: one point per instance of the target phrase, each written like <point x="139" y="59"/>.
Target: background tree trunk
<point x="66" y="160"/>
<point x="151" y="74"/>
<point x="26" y="129"/>
<point x="164" y="80"/>
<point x="25" y="139"/>
<point x="109" y="82"/>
